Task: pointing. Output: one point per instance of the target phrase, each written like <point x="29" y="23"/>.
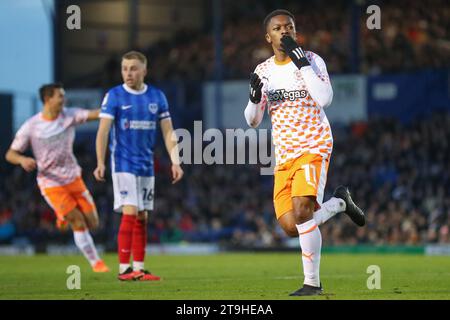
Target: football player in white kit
<point x="295" y="88"/>
<point x="50" y="134"/>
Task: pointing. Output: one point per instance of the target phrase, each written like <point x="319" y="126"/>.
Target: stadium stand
<point x="398" y="172"/>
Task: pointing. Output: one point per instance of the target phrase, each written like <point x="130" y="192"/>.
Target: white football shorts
<point x="133" y="190"/>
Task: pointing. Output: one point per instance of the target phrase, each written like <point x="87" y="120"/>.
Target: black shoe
<point x="352" y="210"/>
<point x="308" y="290"/>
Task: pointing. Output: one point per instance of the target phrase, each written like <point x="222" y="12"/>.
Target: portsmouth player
<point x="130" y="113"/>
<point x="295" y="88"/>
<point x="50" y="134"/>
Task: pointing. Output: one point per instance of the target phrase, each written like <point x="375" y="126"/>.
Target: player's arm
<point x="316" y="76"/>
<point x="20" y="143"/>
<point x="93" y="115"/>
<point x="170" y="140"/>
<point x="101" y="143"/>
<point x="16" y="158"/>
<point x="254" y="112"/>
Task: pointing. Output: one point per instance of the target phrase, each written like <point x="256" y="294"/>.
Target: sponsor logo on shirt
<point x="126" y="124"/>
<point x="282" y="95"/>
<point x="126" y="107"/>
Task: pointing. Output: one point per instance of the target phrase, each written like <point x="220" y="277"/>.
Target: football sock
<point x="139" y="243"/>
<point x="123" y="267"/>
<point x="329" y="209"/>
<point x="84" y="242"/>
<point x="124" y="239"/>
<point x="310" y="243"/>
<point x="138" y="266"/>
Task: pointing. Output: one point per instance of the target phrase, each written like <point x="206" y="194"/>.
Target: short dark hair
<point x="47" y="90"/>
<point x="274" y="13"/>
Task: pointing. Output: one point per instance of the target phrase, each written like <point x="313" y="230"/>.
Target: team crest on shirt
<point x="298" y="75"/>
<point x="124" y="124"/>
<point x="153" y="107"/>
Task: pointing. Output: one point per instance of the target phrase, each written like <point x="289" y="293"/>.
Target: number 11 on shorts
<point x="310" y="174"/>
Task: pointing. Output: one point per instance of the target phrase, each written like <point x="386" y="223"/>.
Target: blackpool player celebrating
<point x="51" y="134"/>
<point x="295" y="87"/>
<point x="132" y="111"/>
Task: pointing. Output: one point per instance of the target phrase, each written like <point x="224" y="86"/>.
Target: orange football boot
<point x="100" y="266"/>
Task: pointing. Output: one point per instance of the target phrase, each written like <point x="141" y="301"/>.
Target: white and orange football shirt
<point x="52" y="144"/>
<point x="295" y="100"/>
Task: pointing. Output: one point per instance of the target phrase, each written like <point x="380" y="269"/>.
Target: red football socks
<point x="125" y="238"/>
<point x="139" y="240"/>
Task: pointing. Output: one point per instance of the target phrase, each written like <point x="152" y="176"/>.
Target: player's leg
<point x="326" y="210"/>
<point x="83" y="239"/>
<point x="146" y="186"/>
<point x="340" y="202"/>
<point x="139" y="241"/>
<point x="126" y="202"/>
<point x="310" y="242"/>
<point x="295" y="192"/>
<point x="125" y="240"/>
<point x="65" y="207"/>
<point x="306" y="182"/>
<point x="86" y="204"/>
<point x="57" y="198"/>
<point x="287" y="223"/>
<point x="283" y="200"/>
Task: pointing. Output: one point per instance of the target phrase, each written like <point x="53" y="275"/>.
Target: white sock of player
<point x="311" y="244"/>
<point x="329" y="209"/>
<point x="84" y="242"/>
<point x="138" y="266"/>
<point x="123" y="267"/>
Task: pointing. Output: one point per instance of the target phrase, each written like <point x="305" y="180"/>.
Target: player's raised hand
<point x="177" y="173"/>
<point x="255" y="88"/>
<point x="28" y="164"/>
<point x="99" y="172"/>
<point x="294" y="51"/>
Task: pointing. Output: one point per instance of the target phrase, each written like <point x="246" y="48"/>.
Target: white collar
<point x="132" y="91"/>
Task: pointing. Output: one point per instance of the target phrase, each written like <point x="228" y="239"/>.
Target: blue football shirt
<point x="133" y="133"/>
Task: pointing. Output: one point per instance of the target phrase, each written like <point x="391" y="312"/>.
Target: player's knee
<point x="287" y="223"/>
<point x="77" y="223"/>
<point x="302" y="215"/>
<point x="142" y="216"/>
<point x="291" y="231"/>
<point x="303" y="209"/>
<point x="76" y="219"/>
<point x="92" y="220"/>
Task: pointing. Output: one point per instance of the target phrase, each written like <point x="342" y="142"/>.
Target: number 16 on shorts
<point x="133" y="190"/>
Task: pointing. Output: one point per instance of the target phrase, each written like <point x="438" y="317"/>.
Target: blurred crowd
<point x="413" y="35"/>
<point x="399" y="174"/>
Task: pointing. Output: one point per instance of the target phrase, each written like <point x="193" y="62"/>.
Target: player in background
<point x="50" y="134"/>
<point x="295" y="87"/>
<point x="130" y="113"/>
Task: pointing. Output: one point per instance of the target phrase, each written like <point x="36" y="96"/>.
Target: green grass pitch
<point x="229" y="276"/>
